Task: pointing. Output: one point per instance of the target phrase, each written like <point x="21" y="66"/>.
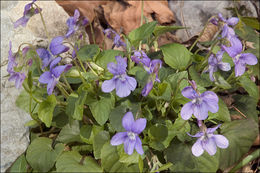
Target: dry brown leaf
<point x="209" y="33"/>
<point x="250" y="44"/>
<point x="167" y="38"/>
<point x="257" y="141"/>
<point x="122" y="16"/>
<point x="126" y="15"/>
<point x="86" y="8"/>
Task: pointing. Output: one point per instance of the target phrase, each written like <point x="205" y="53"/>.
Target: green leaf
<point x="72" y="161"/>
<point x="164" y="167"/>
<point x="76" y="102"/>
<point x="252" y="22"/>
<point x="241" y="134"/>
<point x="46" y="109"/>
<point x="158" y="132"/>
<point x="88" y="132"/>
<point x="79" y="104"/>
<point x="70" y="133"/>
<point x="101" y="109"/>
<point x="247" y="105"/>
<point x="70" y="108"/>
<point x="116" y="116"/>
<point x="180" y="155"/>
<point x="110" y="160"/>
<point x="125" y="158"/>
<point x="23" y="102"/>
<point x="176" y="56"/>
<point x="246" y="160"/>
<point x="88" y="52"/>
<point x="140" y="164"/>
<point x="175" y="78"/>
<point x="165" y="72"/>
<point x="221" y="82"/>
<point x="40" y="154"/>
<point x="249" y="86"/>
<point x="158" y="30"/>
<point x="89" y="76"/>
<point x="141" y="77"/>
<point x="171" y="133"/>
<point x="73" y="72"/>
<point x="60" y="120"/>
<point x="31" y="123"/>
<point x="141" y="33"/>
<point x="83" y="148"/>
<point x="30" y="80"/>
<point x="178" y="82"/>
<point x="222" y="114"/>
<point x="163" y="91"/>
<point x="180" y="128"/>
<point x="85" y="132"/>
<point x="99" y="140"/>
<point x="107" y="56"/>
<point x="200" y="79"/>
<point x="20" y="165"/>
<point x="135" y="69"/>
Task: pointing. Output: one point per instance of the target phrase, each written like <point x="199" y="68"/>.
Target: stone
<point x="194" y="14"/>
<point x="14" y="136"/>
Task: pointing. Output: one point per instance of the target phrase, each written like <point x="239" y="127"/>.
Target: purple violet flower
<point x="153" y="70"/>
<point x="121" y="82"/>
<point x="25" y="50"/>
<point x="231" y="21"/>
<point x="74" y="23"/>
<point x="29" y="11"/>
<point x="208" y="141"/>
<point x="52" y="77"/>
<point x="227" y="31"/>
<point x="200" y="104"/>
<point x="130" y="138"/>
<point x="152" y="67"/>
<point x="18" y="77"/>
<point x="56" y="47"/>
<point x="11" y="59"/>
<point x="141" y="57"/>
<point x="215" y="63"/>
<point x="111" y="34"/>
<point x="240" y="59"/>
<point x="148" y="87"/>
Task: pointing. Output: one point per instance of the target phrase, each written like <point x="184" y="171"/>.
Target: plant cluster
<point x="154" y="100"/>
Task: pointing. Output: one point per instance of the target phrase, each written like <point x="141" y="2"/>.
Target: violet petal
<point x="118" y="138"/>
<point x="108" y="85"/>
<point x="139" y="125"/>
<point x="127" y="121"/>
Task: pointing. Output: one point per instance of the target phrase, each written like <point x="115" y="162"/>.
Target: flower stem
<point x="91" y="69"/>
<point x="30" y="109"/>
<point x="207" y="56"/>
<point x="27" y="90"/>
<point x="254" y="155"/>
<point x="92" y="32"/>
<point x="230" y="77"/>
<point x="63" y="91"/>
<point x="43" y="22"/>
<point x="196" y="41"/>
<point x="67" y="83"/>
<point x="142" y="12"/>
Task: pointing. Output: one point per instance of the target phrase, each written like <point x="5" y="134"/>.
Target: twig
<point x="239" y="111"/>
<point x="182" y="19"/>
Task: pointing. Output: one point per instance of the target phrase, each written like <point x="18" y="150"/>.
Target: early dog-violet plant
<point x="153" y="101"/>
